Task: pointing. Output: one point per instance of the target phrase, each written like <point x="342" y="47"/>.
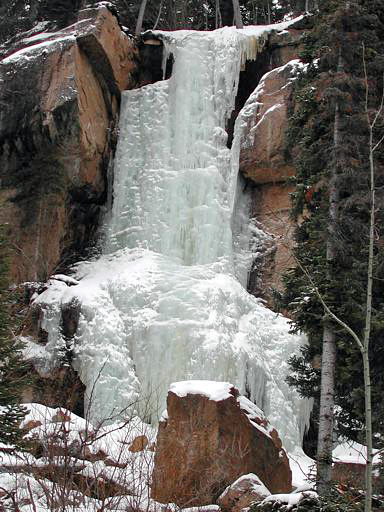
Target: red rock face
<point x="57" y="137"/>
<point x="205" y="445"/>
<point x="262" y="159"/>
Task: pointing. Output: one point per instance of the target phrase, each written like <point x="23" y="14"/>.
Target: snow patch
<point x="213" y="390"/>
<point x="289" y="499"/>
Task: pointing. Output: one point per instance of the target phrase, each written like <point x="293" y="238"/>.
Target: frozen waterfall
<point x="167" y="299"/>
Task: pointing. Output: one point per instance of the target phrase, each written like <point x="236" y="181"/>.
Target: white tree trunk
<point x="140" y="18"/>
<point x="237" y="14"/>
<point x="218" y="20"/>
<point x="328" y="362"/>
<point x="269" y="12"/>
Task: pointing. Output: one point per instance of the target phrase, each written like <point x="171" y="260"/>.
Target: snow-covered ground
<point x="108" y="467"/>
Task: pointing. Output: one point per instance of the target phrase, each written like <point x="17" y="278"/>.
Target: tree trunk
<point x="158" y="15"/>
<point x="237" y="14"/>
<point x="368" y="316"/>
<point x="328" y="364"/>
<point x="325" y="436"/>
<point x="218" y="21"/>
<point x="140" y="18"/>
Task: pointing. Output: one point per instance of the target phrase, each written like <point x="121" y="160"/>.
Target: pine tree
<point x="339" y="32"/>
<point x="12" y="368"/>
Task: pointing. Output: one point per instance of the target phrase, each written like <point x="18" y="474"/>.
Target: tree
<point x="237" y="14"/>
<point x="12" y="368"/>
<point x="139" y="24"/>
<point x="330" y="136"/>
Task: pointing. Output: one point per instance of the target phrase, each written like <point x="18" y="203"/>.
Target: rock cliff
<point x="263" y="162"/>
<point x="60" y="96"/>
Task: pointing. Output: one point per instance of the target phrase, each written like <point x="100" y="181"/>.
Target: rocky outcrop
<point x="207" y="442"/>
<point x="263" y="161"/>
<point x="60" y="94"/>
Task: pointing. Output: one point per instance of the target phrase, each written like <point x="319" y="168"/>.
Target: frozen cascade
<point x="167" y="299"/>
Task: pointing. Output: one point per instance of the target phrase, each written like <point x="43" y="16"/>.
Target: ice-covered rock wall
<point x="167" y="299"/>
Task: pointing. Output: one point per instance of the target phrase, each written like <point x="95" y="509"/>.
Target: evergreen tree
<point x="340" y="29"/>
<point x="12" y="368"/>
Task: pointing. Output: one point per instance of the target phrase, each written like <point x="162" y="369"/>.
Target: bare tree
<point x="140" y="18"/>
<point x="237" y="14"/>
<point x="218" y="19"/>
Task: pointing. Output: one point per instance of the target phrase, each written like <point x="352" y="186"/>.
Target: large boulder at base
<point x="59" y="95"/>
<point x="247" y="489"/>
<point x="209" y="437"/>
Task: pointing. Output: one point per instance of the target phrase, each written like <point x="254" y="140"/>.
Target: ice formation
<point x="167" y="299"/>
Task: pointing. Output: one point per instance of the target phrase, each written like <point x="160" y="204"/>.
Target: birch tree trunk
<point x="140" y="18"/>
<point x="269" y="12"/>
<point x="218" y="20"/>
<point x="237" y="14"/>
<point x="328" y="363"/>
<point x="368" y="316"/>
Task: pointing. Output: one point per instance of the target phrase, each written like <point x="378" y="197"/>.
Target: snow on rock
<point x="167" y="299"/>
<point x="245" y="491"/>
<point x="35" y="51"/>
<point x="213" y="390"/>
<point x="70" y="281"/>
<point x="289" y="499"/>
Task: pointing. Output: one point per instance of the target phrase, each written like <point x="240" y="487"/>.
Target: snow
<point x="289" y="499"/>
<point x="66" y="279"/>
<point x="167" y="301"/>
<point x="213" y="390"/>
<point x="352" y="452"/>
<point x="39" y="37"/>
<point x="34" y="51"/>
<point x="303" y="470"/>
<point x="251" y="478"/>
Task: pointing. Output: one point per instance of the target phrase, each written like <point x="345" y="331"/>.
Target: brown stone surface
<point x="138" y="444"/>
<point x="271" y="207"/>
<point x="205" y="445"/>
<point x="104" y="42"/>
<point x="286" y="45"/>
<point x="245" y="491"/>
<point x="263" y="161"/>
<point x="57" y="122"/>
<point x="352" y="474"/>
<point x="61" y="388"/>
<point x="262" y="158"/>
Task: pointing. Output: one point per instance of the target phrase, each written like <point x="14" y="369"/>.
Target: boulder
<point x="245" y="491"/>
<point x="60" y="96"/>
<point x="208" y="440"/>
